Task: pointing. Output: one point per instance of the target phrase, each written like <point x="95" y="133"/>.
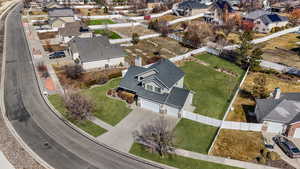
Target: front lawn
<point x="100" y="22"/>
<point x="109" y="110"/>
<point x="176" y="161"/>
<point x="85" y="125"/>
<point x="213" y="89"/>
<point x="194" y="136"/>
<point x="109" y="34"/>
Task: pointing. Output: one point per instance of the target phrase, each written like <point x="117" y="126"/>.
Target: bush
<point x="73" y="71"/>
<point x="115" y="75"/>
<point x="102" y="79"/>
<point x="273" y="156"/>
<point x="41" y="67"/>
<point x="261" y="160"/>
<point x="128" y="97"/>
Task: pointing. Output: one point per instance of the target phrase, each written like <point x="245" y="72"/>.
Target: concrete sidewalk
<point x="5" y="164"/>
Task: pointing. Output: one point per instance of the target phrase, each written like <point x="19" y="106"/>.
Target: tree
<point x="294" y="17"/>
<point x="157" y="136"/>
<point x="135" y="38"/>
<point x="73" y="71"/>
<point x="255" y="59"/>
<point x="79" y="106"/>
<point x="160" y="26"/>
<point x="259" y="90"/>
<point x="197" y="34"/>
<point x="245" y="48"/>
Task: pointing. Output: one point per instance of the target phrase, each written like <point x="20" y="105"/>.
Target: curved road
<point x="54" y="141"/>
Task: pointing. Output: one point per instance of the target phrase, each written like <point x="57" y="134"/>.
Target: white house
<point x="96" y="52"/>
<point x="58" y="17"/>
<point x="158" y="88"/>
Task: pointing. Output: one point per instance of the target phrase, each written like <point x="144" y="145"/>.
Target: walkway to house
<point x="121" y="136"/>
<point x="4" y="162"/>
<point x="101" y="123"/>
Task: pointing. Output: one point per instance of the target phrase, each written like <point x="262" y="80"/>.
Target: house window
<point x="149" y="87"/>
<point x="258" y="22"/>
<point x="157" y="89"/>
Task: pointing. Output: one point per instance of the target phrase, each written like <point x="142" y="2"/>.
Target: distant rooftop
<point x="60" y="12"/>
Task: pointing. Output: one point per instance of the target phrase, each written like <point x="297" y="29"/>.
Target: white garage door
<point x="274" y="127"/>
<point x="297" y="133"/>
<point x="149" y="105"/>
<point x="172" y="111"/>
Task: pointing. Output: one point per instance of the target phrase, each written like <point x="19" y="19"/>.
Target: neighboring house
<point x="74" y="29"/>
<point x="154" y="3"/>
<point x="58" y="17"/>
<point x="221" y="10"/>
<point x="280" y="113"/>
<point x="96" y="52"/>
<point x="70" y="2"/>
<point x="263" y="21"/>
<point x="190" y="7"/>
<point x="158" y="88"/>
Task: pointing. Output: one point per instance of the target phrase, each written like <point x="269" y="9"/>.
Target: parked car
<point x="287" y="146"/>
<point x="58" y="54"/>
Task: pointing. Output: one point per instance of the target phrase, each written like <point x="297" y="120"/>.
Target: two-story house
<point x="158" y="87"/>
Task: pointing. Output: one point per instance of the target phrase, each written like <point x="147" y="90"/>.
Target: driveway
<point x="121" y="138"/>
<point x="294" y="162"/>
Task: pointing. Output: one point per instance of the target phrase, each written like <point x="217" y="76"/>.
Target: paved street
<point x="49" y="137"/>
<point x="121" y="138"/>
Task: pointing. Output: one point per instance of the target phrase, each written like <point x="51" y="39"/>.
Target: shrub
<point x="73" y="71"/>
<point x="41" y="67"/>
<point x="102" y="79"/>
<point x="261" y="160"/>
<point x="115" y="75"/>
<point x="135" y="38"/>
<point x="271" y="155"/>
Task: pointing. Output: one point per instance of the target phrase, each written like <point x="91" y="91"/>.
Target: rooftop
<point x="60" y="12"/>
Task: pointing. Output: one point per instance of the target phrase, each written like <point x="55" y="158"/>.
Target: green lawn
<point x="194" y="136"/>
<point x="176" y="161"/>
<point x="213" y="90"/>
<point x="109" y="34"/>
<point x="85" y="125"/>
<point x="109" y="110"/>
<point x="100" y="22"/>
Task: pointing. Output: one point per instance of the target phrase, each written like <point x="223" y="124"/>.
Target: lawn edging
<point x="228" y="109"/>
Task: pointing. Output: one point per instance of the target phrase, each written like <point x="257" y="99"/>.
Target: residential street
<point x="54" y="141"/>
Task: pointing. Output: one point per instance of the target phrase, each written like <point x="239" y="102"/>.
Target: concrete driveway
<point x="121" y="138"/>
<point x="294" y="162"/>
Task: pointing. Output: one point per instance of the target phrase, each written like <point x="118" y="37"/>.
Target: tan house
<point x="58" y="17"/>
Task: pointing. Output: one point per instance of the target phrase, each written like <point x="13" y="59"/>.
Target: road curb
<point x="2" y="104"/>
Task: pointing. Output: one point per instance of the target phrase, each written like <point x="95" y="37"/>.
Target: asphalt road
<point x="54" y="141"/>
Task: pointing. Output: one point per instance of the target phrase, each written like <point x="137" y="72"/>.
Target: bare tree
<point x="157" y="136"/>
<point x="79" y="106"/>
<point x="197" y="34"/>
<point x="73" y="71"/>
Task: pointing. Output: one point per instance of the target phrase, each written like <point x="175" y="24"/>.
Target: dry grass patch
<point x="91" y="12"/>
<point x="240" y="145"/>
<point x="244" y="103"/>
<point x="47" y="35"/>
<point x="128" y="31"/>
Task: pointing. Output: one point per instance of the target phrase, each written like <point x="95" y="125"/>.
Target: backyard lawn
<point x="109" y="34"/>
<point x="194" y="136"/>
<point x="176" y="161"/>
<point x="85" y="125"/>
<point x="213" y="89"/>
<point x="100" y="22"/>
<point x="106" y="109"/>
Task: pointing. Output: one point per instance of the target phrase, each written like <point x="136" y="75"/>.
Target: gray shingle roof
<point x="256" y="14"/>
<point x="72" y="29"/>
<point x="272" y="18"/>
<point x="286" y="109"/>
<point x="96" y="48"/>
<point x="192" y="4"/>
<point x="60" y="12"/>
<point x="168" y="74"/>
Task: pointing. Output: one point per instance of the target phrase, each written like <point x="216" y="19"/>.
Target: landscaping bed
<point x="283" y="49"/>
<point x="214" y="84"/>
<point x="47" y="35"/>
<point x="100" y="22"/>
<point x="160" y="47"/>
<point x="85" y="125"/>
<point x="194" y="136"/>
<point x="244" y="102"/>
<point x="108" y="33"/>
<point x="176" y="161"/>
<point x="89" y="12"/>
<point x="54" y="48"/>
<point x="107" y="109"/>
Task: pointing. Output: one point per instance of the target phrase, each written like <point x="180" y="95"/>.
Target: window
<point x="149" y="87"/>
<point x="157" y="89"/>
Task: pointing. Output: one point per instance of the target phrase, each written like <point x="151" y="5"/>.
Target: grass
<point x="100" y="22"/>
<point x="240" y="145"/>
<point x="213" y="90"/>
<point x="176" y="161"/>
<point x="194" y="136"/>
<point x="85" y="125"/>
<point x="109" y="110"/>
<point x="243" y="101"/>
<point x="109" y="34"/>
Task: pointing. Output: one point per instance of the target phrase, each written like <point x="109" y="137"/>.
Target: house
<point x="263" y="21"/>
<point x="158" y="87"/>
<point x="74" y="29"/>
<point x="70" y="2"/>
<point x="154" y="3"/>
<point x="96" y="52"/>
<point x="190" y="7"/>
<point x="221" y="10"/>
<point x="58" y="17"/>
<point x="280" y="113"/>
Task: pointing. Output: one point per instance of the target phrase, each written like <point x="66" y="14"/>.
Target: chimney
<point x="277" y="93"/>
<point x="138" y="61"/>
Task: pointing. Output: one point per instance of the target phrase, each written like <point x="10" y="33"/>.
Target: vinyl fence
<point x="186" y="18"/>
<point x="241" y="126"/>
<point x="117" y="25"/>
<point x="202" y="119"/>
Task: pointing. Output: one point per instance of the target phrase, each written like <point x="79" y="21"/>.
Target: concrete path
<point x="120" y="137"/>
<point x="5" y="164"/>
<point x="220" y="160"/>
<point x="101" y="123"/>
